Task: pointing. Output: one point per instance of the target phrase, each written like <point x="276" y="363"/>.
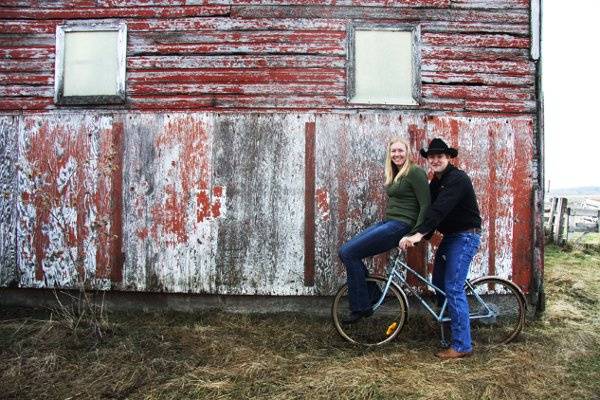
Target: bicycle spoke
<point x="497" y="311"/>
<point x="381" y="327"/>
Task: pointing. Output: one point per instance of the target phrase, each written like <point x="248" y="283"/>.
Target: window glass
<point x="383" y="67"/>
<point x="90" y="63"/>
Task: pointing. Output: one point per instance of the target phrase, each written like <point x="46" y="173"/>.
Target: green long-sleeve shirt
<point x="408" y="198"/>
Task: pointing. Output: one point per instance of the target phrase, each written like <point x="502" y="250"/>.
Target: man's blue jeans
<point x="451" y="267"/>
<point x="376" y="239"/>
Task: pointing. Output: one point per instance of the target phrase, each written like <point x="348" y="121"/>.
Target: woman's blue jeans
<point x="376" y="239"/>
<point x="451" y="267"/>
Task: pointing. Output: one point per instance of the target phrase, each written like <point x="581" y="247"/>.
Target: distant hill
<point x="576" y="191"/>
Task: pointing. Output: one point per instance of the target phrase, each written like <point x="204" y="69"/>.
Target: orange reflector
<point x="391" y="328"/>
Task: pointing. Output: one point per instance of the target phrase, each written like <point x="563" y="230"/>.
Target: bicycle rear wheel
<point x="381" y="327"/>
<point x="501" y="318"/>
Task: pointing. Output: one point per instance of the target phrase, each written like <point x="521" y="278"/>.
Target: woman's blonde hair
<point x="392" y="172"/>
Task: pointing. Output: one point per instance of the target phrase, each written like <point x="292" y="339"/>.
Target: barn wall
<point x="209" y="203"/>
<point x="251" y="54"/>
<point x="237" y="166"/>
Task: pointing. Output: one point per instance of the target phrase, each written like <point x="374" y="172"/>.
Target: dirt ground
<point x="290" y="356"/>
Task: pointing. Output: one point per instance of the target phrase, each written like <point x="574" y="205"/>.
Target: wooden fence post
<point x="567" y="224"/>
<point x="553" y="202"/>
<point x="559" y="225"/>
<point x="598" y="222"/>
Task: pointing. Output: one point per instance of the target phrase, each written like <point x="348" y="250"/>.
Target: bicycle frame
<point x="398" y="270"/>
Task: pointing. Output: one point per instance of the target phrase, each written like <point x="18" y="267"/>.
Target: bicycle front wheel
<point x="381" y="327"/>
<point x="497" y="311"/>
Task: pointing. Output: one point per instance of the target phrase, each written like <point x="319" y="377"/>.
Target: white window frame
<point x="416" y="62"/>
<point x="90" y="26"/>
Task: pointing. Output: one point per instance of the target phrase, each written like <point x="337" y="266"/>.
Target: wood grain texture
<point x="67" y="204"/>
<point x="215" y="203"/>
<point x="287" y="54"/>
<point x="9" y="273"/>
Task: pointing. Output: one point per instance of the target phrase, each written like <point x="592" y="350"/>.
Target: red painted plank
<point x="25" y="26"/>
<point x="406" y="14"/>
<point x="26" y="91"/>
<point x="15" y="78"/>
<point x="475" y="40"/>
<point x="492" y="197"/>
<point x="32" y="103"/>
<point x="309" y="204"/>
<point x="363" y="3"/>
<point x="475" y="78"/>
<point x="486" y="4"/>
<point x="187" y="24"/>
<point x="443" y="53"/>
<point x="475" y="27"/>
<point x="358" y="3"/>
<point x="522" y="248"/>
<point x="234" y="76"/>
<point x="27" y="40"/>
<point x="46" y="52"/>
<point x="233" y="24"/>
<point x="477" y="92"/>
<point x="48" y="3"/>
<point x="256" y="36"/>
<point x="319" y="47"/>
<point x="116" y="196"/>
<point x="525" y="106"/>
<point x="237" y="101"/>
<point x="236" y="61"/>
<point x="489" y="67"/>
<point x="26" y="65"/>
<point x="140" y="89"/>
<point x="96" y="12"/>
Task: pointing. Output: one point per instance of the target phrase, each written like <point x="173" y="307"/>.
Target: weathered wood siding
<point x="252" y="54"/>
<point x="237" y="166"/>
<point x="8" y="199"/>
<point x="216" y="203"/>
<point x="69" y="200"/>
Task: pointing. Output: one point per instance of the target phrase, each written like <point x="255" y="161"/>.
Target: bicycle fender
<point x="510" y="283"/>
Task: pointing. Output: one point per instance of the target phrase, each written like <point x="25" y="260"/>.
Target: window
<point x="90" y="63"/>
<point x="384" y="65"/>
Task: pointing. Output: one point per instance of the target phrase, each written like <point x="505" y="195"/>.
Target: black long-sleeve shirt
<point x="453" y="204"/>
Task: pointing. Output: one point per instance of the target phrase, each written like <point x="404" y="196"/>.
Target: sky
<point x="571" y="84"/>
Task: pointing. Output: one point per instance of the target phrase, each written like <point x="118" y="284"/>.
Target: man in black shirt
<point x="454" y="213"/>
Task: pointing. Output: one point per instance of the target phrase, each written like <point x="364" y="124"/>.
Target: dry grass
<point x="287" y="356"/>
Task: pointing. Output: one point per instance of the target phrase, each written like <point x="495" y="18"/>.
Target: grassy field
<point x="229" y="356"/>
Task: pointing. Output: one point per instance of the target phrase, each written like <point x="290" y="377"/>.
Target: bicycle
<point x="497" y="308"/>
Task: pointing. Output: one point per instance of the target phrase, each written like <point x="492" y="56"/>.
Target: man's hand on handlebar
<point x="409" y="241"/>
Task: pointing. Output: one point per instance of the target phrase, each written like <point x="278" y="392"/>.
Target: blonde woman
<point x="408" y="198"/>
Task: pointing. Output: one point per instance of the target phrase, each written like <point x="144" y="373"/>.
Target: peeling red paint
<point x="209" y="208"/>
<point x="522" y="246"/>
<point x="215" y="209"/>
<point x="142" y="233"/>
<point x="63" y="146"/>
<point x="492" y="192"/>
<point x="169" y="218"/>
<point x="322" y="197"/>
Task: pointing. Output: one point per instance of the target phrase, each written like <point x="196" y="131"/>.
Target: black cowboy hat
<point x="438" y="146"/>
